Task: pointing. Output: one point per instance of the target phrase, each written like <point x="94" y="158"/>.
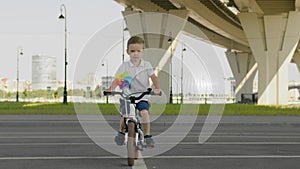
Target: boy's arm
<point x="155" y="83"/>
<point x="112" y="86"/>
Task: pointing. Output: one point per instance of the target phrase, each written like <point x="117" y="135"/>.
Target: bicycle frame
<point x="132" y="117"/>
<point x="132" y="124"/>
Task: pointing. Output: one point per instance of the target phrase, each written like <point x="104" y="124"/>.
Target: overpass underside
<point x="261" y="36"/>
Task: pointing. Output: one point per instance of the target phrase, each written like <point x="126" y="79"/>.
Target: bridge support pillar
<point x="242" y="66"/>
<point x="296" y="59"/>
<point x="273" y="40"/>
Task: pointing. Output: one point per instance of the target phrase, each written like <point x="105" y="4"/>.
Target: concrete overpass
<point x="262" y="35"/>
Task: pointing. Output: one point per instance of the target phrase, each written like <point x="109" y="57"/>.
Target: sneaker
<point x="149" y="141"/>
<point x="120" y="139"/>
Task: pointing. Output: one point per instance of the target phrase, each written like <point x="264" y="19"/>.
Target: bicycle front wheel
<point x="131" y="147"/>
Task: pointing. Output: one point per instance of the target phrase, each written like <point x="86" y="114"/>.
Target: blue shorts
<point x="141" y="105"/>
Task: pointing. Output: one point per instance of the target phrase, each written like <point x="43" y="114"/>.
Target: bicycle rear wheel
<point x="131" y="147"/>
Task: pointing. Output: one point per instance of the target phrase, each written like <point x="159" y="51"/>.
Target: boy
<point x="139" y="71"/>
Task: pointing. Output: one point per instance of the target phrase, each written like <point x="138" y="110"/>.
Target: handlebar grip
<point x="106" y="93"/>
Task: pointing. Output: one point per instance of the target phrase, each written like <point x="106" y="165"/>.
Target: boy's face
<point x="135" y="51"/>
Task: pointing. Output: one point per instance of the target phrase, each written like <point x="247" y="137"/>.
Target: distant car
<point x="249" y="98"/>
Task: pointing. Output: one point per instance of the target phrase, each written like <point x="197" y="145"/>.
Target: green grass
<point x="244" y="109"/>
<point x="90" y="108"/>
<point x="34" y="108"/>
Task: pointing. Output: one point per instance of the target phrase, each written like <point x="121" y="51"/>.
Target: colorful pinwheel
<point x="123" y="80"/>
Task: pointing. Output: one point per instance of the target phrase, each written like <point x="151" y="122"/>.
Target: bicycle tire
<point x="131" y="147"/>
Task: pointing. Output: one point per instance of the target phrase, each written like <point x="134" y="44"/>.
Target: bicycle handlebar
<point x="129" y="96"/>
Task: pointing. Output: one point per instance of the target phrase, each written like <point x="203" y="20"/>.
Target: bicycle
<point x="133" y="127"/>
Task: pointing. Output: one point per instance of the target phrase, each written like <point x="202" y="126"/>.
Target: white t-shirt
<point x="140" y="75"/>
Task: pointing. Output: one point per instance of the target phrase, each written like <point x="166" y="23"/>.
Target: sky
<point x="33" y="25"/>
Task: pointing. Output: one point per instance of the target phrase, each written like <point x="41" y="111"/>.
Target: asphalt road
<point x="239" y="142"/>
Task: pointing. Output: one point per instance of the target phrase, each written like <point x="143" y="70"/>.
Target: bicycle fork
<point x="139" y="132"/>
<point x="140" y="141"/>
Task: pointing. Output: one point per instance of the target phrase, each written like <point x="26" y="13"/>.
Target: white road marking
<point x="58" y="158"/>
<point x="181" y="143"/>
<point x="229" y="156"/>
<point x="175" y="133"/>
<point x="43" y="144"/>
<point x="252" y="143"/>
<point x="140" y="163"/>
<point x="45" y="136"/>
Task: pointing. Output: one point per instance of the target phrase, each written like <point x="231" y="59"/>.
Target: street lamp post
<point x="106" y="78"/>
<point x="171" y="90"/>
<point x="181" y="80"/>
<point x="20" y="52"/>
<point x="64" y="17"/>
<point x="177" y="89"/>
<point x="123" y="42"/>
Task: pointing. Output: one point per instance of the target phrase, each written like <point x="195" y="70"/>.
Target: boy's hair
<point x="135" y="40"/>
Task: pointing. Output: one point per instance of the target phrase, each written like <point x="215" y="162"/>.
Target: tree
<point x="98" y="91"/>
<point x="25" y="93"/>
<point x="8" y="94"/>
<point x="55" y="95"/>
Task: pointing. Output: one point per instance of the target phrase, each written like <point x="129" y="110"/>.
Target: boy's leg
<point x="123" y="110"/>
<point x="146" y="124"/>
<point x="122" y="125"/>
<point x="120" y="137"/>
<point x="145" y="121"/>
<point x="143" y="107"/>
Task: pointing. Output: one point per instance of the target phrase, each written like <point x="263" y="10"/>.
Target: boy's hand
<point x="108" y="90"/>
<point x="157" y="91"/>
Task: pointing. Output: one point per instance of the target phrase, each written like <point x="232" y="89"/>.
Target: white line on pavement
<point x="141" y="161"/>
<point x="251" y="142"/>
<point x="229" y="156"/>
<point x="173" y="136"/>
<point x="181" y="143"/>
